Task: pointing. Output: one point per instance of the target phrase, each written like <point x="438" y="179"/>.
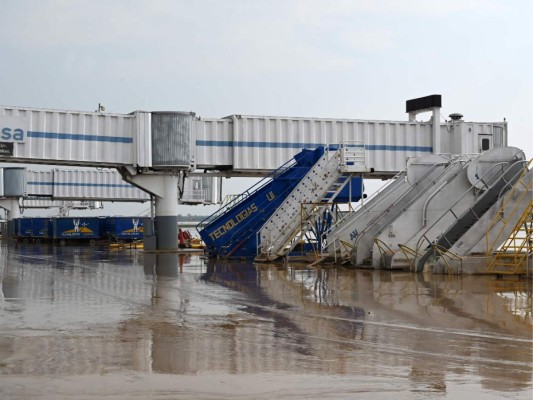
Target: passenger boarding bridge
<point x="21" y="189"/>
<point x="155" y="150"/>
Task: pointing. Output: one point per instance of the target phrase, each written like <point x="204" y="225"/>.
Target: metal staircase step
<point x="284" y="224"/>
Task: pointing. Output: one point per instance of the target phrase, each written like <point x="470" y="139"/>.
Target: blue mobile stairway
<point x="231" y="232"/>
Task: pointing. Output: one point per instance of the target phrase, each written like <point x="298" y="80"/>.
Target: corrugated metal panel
<point x="96" y="185"/>
<point x="1" y="182"/>
<point x="14" y="182"/>
<point x="465" y="135"/>
<point x="143" y="140"/>
<point x="214" y="143"/>
<point x="268" y="142"/>
<point x="69" y="136"/>
<point x="172" y="139"/>
<point x="498" y="132"/>
<point x="40" y="183"/>
<point x="210" y="185"/>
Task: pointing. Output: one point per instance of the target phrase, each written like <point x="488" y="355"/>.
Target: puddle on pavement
<point x="100" y="323"/>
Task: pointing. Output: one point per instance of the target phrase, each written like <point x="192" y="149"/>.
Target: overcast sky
<point x="334" y="58"/>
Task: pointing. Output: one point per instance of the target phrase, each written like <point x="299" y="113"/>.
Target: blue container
<point x="41" y="228"/>
<point x="23" y="227"/>
<point x="125" y="228"/>
<point x="344" y="195"/>
<point x="78" y="228"/>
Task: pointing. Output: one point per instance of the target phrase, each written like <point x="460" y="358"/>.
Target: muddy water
<point x="80" y="322"/>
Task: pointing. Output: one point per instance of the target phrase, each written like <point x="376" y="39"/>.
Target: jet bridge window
<point x="485" y="142"/>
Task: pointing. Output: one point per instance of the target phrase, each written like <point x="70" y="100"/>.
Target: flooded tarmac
<point x="83" y="322"/>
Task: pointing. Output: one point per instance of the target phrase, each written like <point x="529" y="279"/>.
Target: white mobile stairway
<point x="493" y="182"/>
<point x="320" y="185"/>
<point x="345" y="230"/>
<point x="363" y="246"/>
<point x="354" y="237"/>
<point x="403" y="232"/>
<point x="342" y="235"/>
<point x="432" y="214"/>
<point x="491" y="230"/>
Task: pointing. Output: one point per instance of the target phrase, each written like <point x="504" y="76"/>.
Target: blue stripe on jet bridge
<point x="79" y="136"/>
<point x="289" y="145"/>
<point x="399" y="148"/>
<point x="117" y="185"/>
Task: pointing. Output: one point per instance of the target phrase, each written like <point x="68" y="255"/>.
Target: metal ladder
<point x="504" y="216"/>
<point x="514" y="256"/>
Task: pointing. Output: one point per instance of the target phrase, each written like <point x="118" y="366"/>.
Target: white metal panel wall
<point x="143" y="138"/>
<point x="214" y="143"/>
<point x="265" y="143"/>
<point x="71" y="137"/>
<point x="464" y="136"/>
<point x="40" y="183"/>
<point x="96" y="185"/>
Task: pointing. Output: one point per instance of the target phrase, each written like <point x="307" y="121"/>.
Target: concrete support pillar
<point x="163" y="187"/>
<point x="13" y="211"/>
<point x="166" y="214"/>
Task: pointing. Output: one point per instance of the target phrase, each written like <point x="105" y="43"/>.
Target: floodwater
<point x="84" y="323"/>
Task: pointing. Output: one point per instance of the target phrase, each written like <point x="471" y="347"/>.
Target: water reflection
<point x="161" y="264"/>
<point x="177" y="313"/>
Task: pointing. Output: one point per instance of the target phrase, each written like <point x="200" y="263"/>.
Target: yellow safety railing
<point x="503" y="218"/>
<point x="515" y="254"/>
<point x="447" y="255"/>
<point x="406" y="250"/>
<point x="383" y="250"/>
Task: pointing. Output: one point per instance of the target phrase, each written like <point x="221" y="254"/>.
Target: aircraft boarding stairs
<point x="402" y="233"/>
<point x="353" y="238"/>
<point x="306" y="206"/>
<point x="395" y="248"/>
<point x="341" y="235"/>
<point x="496" y="227"/>
<point x="231" y="231"/>
<point x="457" y="223"/>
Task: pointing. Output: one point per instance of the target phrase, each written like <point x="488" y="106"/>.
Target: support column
<point x="163" y="187"/>
<point x="166" y="214"/>
<point x="13" y="211"/>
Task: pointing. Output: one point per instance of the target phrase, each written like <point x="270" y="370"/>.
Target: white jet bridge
<point x="152" y="150"/>
<point x="21" y="188"/>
